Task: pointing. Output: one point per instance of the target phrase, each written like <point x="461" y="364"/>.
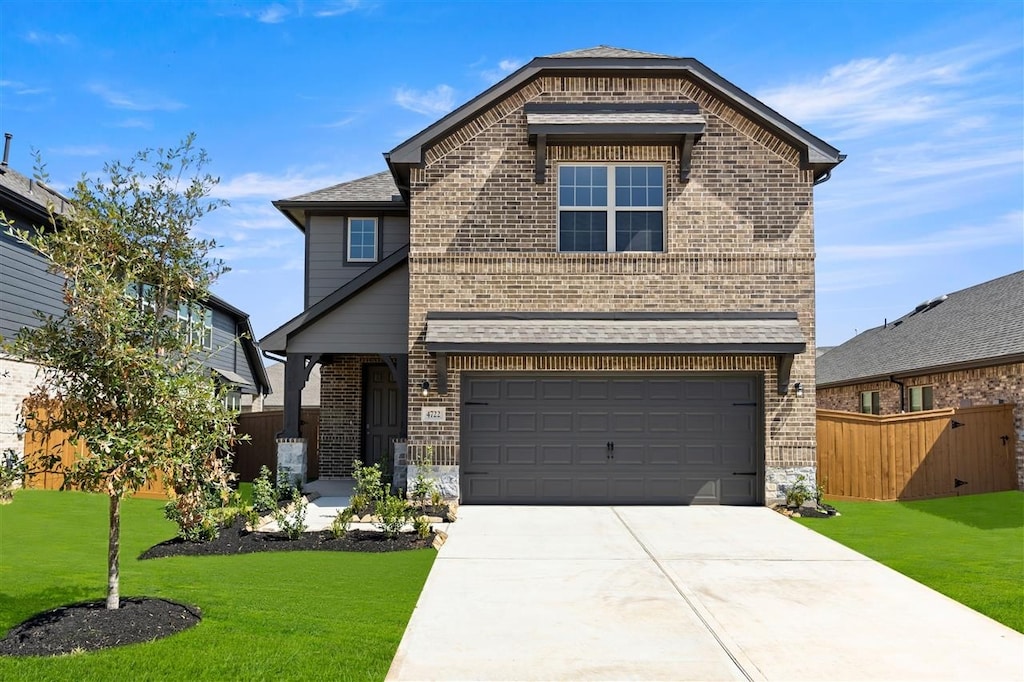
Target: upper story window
<point x="921" y="398"/>
<point x="611" y="208"/>
<point x="362" y="240"/>
<point x="196" y="323"/>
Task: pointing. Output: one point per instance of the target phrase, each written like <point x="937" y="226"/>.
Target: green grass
<point x="970" y="548"/>
<point x="270" y="616"/>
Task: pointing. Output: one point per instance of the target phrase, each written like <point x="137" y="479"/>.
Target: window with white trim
<point x="196" y="324"/>
<point x="921" y="398"/>
<point x="611" y="208"/>
<point x="361" y="244"/>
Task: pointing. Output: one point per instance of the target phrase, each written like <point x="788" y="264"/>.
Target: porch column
<point x="291" y="446"/>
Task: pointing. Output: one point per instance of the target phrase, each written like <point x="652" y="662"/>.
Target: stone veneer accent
<point x="739" y="237"/>
<point x="960" y="388"/>
<point x="17" y="379"/>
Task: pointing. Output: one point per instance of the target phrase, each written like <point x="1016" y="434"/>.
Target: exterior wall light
<point x="799" y="389"/>
<point x="426" y="387"/>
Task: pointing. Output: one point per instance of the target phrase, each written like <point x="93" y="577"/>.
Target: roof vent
<point x="929" y="304"/>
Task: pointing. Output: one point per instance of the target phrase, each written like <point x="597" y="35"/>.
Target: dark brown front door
<point x="381" y="422"/>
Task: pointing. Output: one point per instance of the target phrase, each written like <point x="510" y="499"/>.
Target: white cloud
<point x="1005" y="231"/>
<point x="504" y="68"/>
<point x="22" y="89"/>
<point x="434" y="102"/>
<point x="874" y="94"/>
<point x="270" y="187"/>
<point x="134" y="101"/>
<point x="43" y="38"/>
<point x="337" y="9"/>
<point x="141" y="123"/>
<point x="340" y="123"/>
<point x="272" y="14"/>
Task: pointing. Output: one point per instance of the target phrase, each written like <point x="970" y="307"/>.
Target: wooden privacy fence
<point x="938" y="453"/>
<point x="38" y="444"/>
<point x="261" y="449"/>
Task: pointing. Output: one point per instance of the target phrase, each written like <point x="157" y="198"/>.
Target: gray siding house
<point x="27" y="287"/>
<point x="592" y="283"/>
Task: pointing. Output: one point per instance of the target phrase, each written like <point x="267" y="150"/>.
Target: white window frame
<point x="196" y="322"/>
<point x="611" y="208"/>
<point x="348" y="240"/>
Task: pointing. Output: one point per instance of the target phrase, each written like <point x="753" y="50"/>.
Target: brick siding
<point x="341" y="414"/>
<point x="961" y="388"/>
<point x="17" y="379"/>
<point x="738" y="237"/>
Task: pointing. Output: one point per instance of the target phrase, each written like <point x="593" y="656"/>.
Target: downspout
<point x="903" y="393"/>
<point x="269" y="355"/>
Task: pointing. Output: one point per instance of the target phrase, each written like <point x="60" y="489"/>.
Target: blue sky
<point x="287" y="97"/>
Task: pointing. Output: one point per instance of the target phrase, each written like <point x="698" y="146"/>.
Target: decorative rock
<point x="439" y="539"/>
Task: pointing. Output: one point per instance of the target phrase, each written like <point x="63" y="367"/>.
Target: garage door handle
<point x="469" y="402"/>
<point x="744" y="473"/>
<point x="476" y="473"/>
<point x="744" y="404"/>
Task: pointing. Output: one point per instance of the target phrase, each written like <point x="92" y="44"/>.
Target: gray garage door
<point x="599" y="439"/>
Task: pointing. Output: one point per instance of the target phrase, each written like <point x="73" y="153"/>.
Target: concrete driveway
<point x="681" y="593"/>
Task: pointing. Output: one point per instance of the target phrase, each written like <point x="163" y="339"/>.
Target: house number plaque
<point x="432" y="414"/>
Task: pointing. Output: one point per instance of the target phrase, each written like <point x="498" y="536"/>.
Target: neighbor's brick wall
<point x="739" y="237"/>
<point x="341" y="416"/>
<point x="17" y="379"/>
<point x="962" y="388"/>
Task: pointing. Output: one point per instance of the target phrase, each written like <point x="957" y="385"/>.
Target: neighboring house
<point x="274" y="401"/>
<point x="26" y="287"/>
<point x="592" y="283"/>
<point x="959" y="350"/>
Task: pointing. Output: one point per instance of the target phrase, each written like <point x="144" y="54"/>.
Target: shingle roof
<point x="379" y="187"/>
<point x="608" y="52"/>
<point x="596" y="332"/>
<point x="30" y="191"/>
<point x="975" y="324"/>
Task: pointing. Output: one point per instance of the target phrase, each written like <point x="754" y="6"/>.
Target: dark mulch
<point x="89" y="626"/>
<point x="235" y="540"/>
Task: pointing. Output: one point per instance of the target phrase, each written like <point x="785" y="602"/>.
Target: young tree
<point x="121" y="369"/>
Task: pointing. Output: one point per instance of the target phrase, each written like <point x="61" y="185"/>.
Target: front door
<point x="381" y="418"/>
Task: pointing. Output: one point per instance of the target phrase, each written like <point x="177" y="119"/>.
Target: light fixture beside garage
<point x="799" y="387"/>
<point x="425" y="386"/>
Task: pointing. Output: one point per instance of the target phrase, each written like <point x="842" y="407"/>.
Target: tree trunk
<point x="114" y="555"/>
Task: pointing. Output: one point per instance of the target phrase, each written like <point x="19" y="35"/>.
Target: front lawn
<point x="970" y="548"/>
<point x="270" y="616"/>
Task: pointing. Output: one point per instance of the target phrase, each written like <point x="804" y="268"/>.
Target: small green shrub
<point x="293" y="524"/>
<point x="392" y="513"/>
<point x="194" y="525"/>
<point x="341" y="522"/>
<point x="12" y="471"/>
<point x="422" y="487"/>
<point x="436" y="499"/>
<point x="264" y="496"/>
<point x="421" y="524"/>
<point x="799" y="492"/>
<point x="359" y="504"/>
<point x="369" y="482"/>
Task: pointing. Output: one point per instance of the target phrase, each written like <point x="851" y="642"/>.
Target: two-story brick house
<point x="592" y="283"/>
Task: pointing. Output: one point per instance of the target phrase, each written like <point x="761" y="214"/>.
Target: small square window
<point x="362" y="240"/>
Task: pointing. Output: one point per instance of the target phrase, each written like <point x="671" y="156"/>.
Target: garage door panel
<point x="482" y="454"/>
<point x="545" y="439"/>
<point x="592" y="422"/>
<point x="629" y="422"/>
<point x="521" y="454"/>
<point x="552" y="454"/>
<point x="521" y="422"/>
<point x="521" y="389"/>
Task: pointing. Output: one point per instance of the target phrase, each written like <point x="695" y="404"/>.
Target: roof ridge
<point x="606" y="51"/>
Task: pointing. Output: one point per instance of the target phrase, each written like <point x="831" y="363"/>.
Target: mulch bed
<point x="236" y="540"/>
<point x="88" y="626"/>
<point x="822" y="511"/>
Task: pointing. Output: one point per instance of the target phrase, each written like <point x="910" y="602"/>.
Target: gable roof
<point x="277" y="340"/>
<point x="815" y="153"/>
<point x="377" y="191"/>
<point x="974" y="326"/>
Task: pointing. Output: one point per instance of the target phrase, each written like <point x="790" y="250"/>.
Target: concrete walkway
<point x="681" y="593"/>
